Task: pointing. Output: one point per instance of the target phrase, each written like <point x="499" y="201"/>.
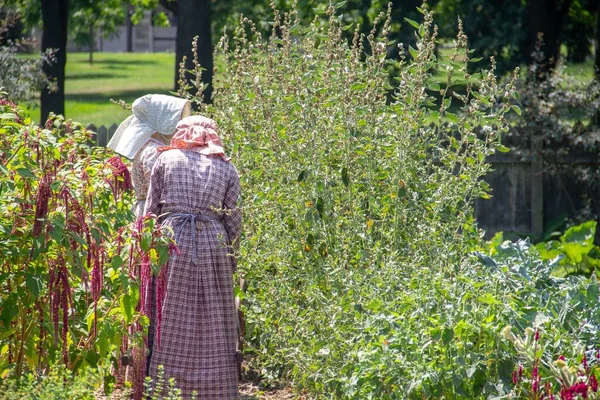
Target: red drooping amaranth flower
<point x="537" y="335"/>
<point x="548" y="390"/>
<point x="581" y="389"/>
<point x="567" y="394"/>
<point x="161" y="293"/>
<point x="97" y="278"/>
<point x="584" y="362"/>
<point x="145" y="280"/>
<point x="571" y="393"/>
<point x="97" y="271"/>
<point x="121" y="179"/>
<point x="60" y="299"/>
<point x="535" y="377"/>
<point x="515" y="378"/>
<point x="41" y="205"/>
<point x="139" y="371"/>
<point x="561" y="357"/>
<point x="593" y="383"/>
<point x="520" y="371"/>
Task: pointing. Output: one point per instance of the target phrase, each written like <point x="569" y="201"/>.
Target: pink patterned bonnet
<point x="197" y="133"/>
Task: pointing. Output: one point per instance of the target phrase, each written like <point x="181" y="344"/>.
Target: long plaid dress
<point x="199" y="322"/>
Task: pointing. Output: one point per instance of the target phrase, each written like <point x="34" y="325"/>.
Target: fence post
<point x="102" y="133"/>
<point x="111" y="132"/>
<point x="537" y="188"/>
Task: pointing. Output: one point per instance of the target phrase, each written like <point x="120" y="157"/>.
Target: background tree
<point x="545" y="20"/>
<point x="55" y="16"/>
<point x="579" y="29"/>
<point x="494" y="27"/>
<point x="194" y="20"/>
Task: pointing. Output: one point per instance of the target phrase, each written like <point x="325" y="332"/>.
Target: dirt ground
<point x="250" y="389"/>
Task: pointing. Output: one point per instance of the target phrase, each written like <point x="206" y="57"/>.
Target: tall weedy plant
<point x="358" y="209"/>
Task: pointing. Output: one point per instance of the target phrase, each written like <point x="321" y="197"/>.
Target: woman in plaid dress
<point x="194" y="188"/>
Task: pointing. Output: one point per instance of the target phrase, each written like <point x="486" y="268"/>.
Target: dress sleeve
<point x="148" y="159"/>
<point x="232" y="219"/>
<point x="155" y="190"/>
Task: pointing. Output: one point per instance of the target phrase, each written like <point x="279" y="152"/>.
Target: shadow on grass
<point x="119" y="61"/>
<point x="126" y="95"/>
<point x="84" y="76"/>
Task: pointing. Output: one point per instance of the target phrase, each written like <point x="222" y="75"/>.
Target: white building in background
<point x="145" y="38"/>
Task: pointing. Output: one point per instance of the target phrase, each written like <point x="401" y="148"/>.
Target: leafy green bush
<point x="59" y="384"/>
<point x="22" y="77"/>
<point x="358" y="211"/>
<point x="576" y="249"/>
<point x="70" y="264"/>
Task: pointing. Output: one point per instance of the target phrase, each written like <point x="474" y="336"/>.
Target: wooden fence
<point x="526" y="198"/>
<point x="102" y="134"/>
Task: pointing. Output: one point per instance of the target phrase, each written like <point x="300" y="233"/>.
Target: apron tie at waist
<point x="192" y="219"/>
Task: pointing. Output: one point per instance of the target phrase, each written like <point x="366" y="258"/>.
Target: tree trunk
<point x="194" y="20"/>
<point x="548" y="18"/>
<point x="597" y="44"/>
<point x="92" y="42"/>
<point x="129" y="30"/>
<point x="597" y="113"/>
<point x="171" y="5"/>
<point x="55" y="14"/>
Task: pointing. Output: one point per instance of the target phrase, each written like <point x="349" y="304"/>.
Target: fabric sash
<point x="183" y="219"/>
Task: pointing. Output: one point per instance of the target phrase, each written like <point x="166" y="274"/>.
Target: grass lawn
<point x="119" y="76"/>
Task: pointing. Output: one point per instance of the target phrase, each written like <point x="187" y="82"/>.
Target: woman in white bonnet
<point x="154" y="120"/>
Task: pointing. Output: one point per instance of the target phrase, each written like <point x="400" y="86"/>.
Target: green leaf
<point x="146" y="241"/>
<point x="413" y="23"/>
<point x="503" y="149"/>
<point x="127" y="307"/>
<point x="34" y="284"/>
<point x="413" y="52"/>
<point x="320" y="205"/>
<point x="117" y="262"/>
<point x="452" y="117"/>
<point x="345" y="179"/>
<point x="447" y="335"/>
<point x="25" y="173"/>
<point x="583" y="233"/>
<point x="163" y="255"/>
<point x="516" y="109"/>
<point x="9" y="309"/>
<point x="434" y="86"/>
<point x="474" y="60"/>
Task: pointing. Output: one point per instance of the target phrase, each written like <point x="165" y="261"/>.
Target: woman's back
<point x="196" y="195"/>
<point x="199" y="182"/>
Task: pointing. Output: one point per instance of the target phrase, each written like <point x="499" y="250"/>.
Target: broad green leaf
<point x="413" y="52"/>
<point x="415" y="24"/>
<point x="127" y="307"/>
